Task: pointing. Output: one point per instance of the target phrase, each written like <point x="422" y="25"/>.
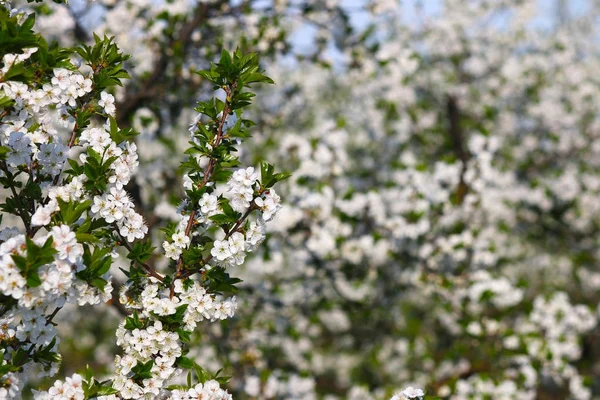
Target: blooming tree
<point x="76" y="218"/>
<point x="439" y="229"/>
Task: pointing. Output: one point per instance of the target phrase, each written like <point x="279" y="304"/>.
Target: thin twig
<point x="145" y="266"/>
<point x="51" y="316"/>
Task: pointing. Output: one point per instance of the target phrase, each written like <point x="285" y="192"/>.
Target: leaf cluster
<point x="98" y="262"/>
<point x="201" y="374"/>
<point x="217" y="280"/>
<point x="96" y="169"/>
<point x="106" y="62"/>
<point x="94" y="388"/>
<point x="35" y="256"/>
<point x="16" y="35"/>
<point x="269" y="177"/>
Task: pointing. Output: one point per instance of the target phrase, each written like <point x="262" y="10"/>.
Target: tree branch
<point x="458" y="143"/>
<point x="135" y="99"/>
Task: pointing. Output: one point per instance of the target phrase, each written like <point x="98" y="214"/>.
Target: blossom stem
<point x="207" y="176"/>
<point x="233" y="230"/>
<point x="51" y="316"/>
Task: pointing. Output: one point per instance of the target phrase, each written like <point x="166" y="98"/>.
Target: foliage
<point x="439" y="227"/>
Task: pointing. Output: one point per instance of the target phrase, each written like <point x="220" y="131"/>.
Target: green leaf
<point x="86" y="238"/>
<point x="106" y="390"/>
<point x="133" y="322"/>
<point x="218" y="280"/>
<point x="120" y="135"/>
<point x="72" y="211"/>
<point x="97" y="264"/>
<point x="225" y="59"/>
<point x="142" y="370"/>
<point x="33" y="279"/>
<point x="184" y="336"/>
<point x="3" y="152"/>
<point x="100" y="283"/>
<point x="185" y="362"/>
<point x="221" y="219"/>
<point x="177" y="387"/>
<point x="89" y="373"/>
<point x="35" y="257"/>
<point x="276" y="178"/>
<point x="141" y="251"/>
<point x="266" y="172"/>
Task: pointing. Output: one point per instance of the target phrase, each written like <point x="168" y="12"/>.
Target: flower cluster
<point x="241" y="188"/>
<point x="208" y="206"/>
<point x="39" y="293"/>
<point x="28" y="131"/>
<point x="70" y="389"/>
<point x="409" y="393"/>
<point x="179" y="240"/>
<point x="150" y="341"/>
<point x="65" y="87"/>
<point x="268" y="204"/>
<point x="151" y="345"/>
<point x="44" y="273"/>
<point x="47" y="259"/>
<point x="161" y="310"/>
<point x="230" y="251"/>
<point x="440" y="228"/>
<point x="147" y="342"/>
<point x="210" y="390"/>
<point x="115" y="206"/>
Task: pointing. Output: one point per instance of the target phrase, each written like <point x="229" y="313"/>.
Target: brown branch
<point x="73" y="135"/>
<point x="458" y="143"/>
<point x="455" y="131"/>
<point x="51" y="316"/>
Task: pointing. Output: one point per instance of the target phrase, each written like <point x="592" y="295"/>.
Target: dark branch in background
<point x="461" y="375"/>
<point x="136" y="96"/>
<point x="81" y="33"/>
<point x="456" y="133"/>
<point x="458" y="143"/>
<point x="134" y="99"/>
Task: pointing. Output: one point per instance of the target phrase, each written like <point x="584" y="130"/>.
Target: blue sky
<point x="302" y="38"/>
<point x="547" y="9"/>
